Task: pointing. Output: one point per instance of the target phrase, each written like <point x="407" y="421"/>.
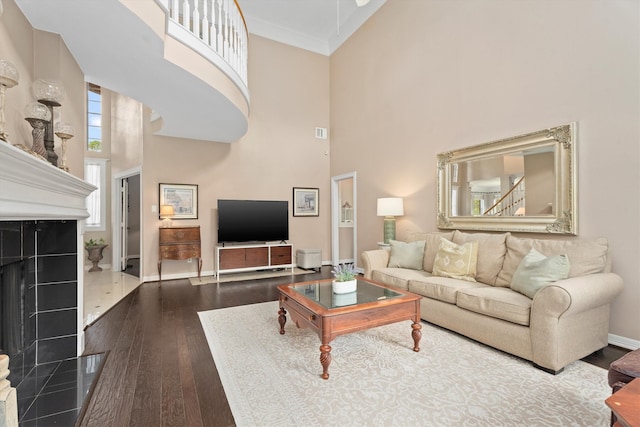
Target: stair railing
<point x="509" y="203"/>
<point x="219" y="24"/>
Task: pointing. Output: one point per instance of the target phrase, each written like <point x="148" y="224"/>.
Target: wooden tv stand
<point x="240" y="258"/>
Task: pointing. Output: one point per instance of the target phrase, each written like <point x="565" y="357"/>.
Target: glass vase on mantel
<point x="344" y="287"/>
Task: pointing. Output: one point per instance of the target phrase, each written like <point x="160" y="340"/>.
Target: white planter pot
<point x="345" y="287"/>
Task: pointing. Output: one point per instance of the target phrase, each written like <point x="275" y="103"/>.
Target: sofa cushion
<point x="492" y="249"/>
<point x="406" y="254"/>
<point x="441" y="288"/>
<point x="397" y="277"/>
<point x="432" y="242"/>
<point x="501" y="303"/>
<point x="536" y="270"/>
<point x="585" y="256"/>
<point x="456" y="261"/>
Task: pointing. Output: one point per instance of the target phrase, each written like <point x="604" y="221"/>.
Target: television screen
<point x="252" y="221"/>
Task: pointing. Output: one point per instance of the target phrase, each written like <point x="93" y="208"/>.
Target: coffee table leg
<point x="282" y="319"/>
<point x="325" y="360"/>
<point x="416" y="334"/>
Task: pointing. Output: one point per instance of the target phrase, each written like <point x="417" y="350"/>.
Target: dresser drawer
<point x="180" y="251"/>
<point x="179" y="234"/>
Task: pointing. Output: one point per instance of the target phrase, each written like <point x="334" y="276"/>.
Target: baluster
<point x="219" y="29"/>
<point x="175" y="11"/>
<point x="205" y="22"/>
<point x="236" y="41"/>
<point x="186" y="18"/>
<point x="225" y="31"/>
<point x="196" y="19"/>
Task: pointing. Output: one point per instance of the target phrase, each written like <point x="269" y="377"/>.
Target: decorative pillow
<point x="431" y="244"/>
<point x="536" y="270"/>
<point x="406" y="255"/>
<point x="456" y="261"/>
<point x="491" y="251"/>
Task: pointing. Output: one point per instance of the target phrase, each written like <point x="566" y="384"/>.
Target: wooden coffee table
<point x="314" y="305"/>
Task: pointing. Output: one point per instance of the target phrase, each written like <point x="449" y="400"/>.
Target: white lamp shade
<point x="390" y="206"/>
<point x="166" y="211"/>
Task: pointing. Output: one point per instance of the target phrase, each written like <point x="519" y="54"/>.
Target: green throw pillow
<point x="406" y="255"/>
<point x="456" y="261"/>
<point x="536" y="270"/>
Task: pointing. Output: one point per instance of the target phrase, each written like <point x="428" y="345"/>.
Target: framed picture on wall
<point x="305" y="201"/>
<point x="183" y="198"/>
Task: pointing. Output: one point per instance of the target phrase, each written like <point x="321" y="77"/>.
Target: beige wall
<point x="422" y="77"/>
<point x="289" y="98"/>
<point x="39" y="54"/>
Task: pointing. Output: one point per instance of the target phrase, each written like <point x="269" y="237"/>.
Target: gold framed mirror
<point x="525" y="183"/>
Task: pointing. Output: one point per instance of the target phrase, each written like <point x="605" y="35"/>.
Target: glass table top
<point x="322" y="293"/>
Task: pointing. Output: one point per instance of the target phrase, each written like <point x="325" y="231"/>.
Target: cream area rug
<point x="376" y="379"/>
<point x="252" y="275"/>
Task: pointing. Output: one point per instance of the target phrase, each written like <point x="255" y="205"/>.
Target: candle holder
<point x="38" y="117"/>
<point x="8" y="78"/>
<point x="50" y="93"/>
<point x="65" y="132"/>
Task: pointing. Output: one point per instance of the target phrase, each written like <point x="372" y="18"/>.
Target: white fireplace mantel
<point x="33" y="189"/>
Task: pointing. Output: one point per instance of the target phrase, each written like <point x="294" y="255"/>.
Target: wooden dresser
<point x="180" y="243"/>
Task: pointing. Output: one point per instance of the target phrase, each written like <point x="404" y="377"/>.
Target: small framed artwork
<point x="305" y="201"/>
<point x="183" y="198"/>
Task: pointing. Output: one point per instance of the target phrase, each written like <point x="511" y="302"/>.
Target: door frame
<point x="116" y="215"/>
<point x="335" y="217"/>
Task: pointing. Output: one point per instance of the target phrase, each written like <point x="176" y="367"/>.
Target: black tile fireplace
<point x="38" y="289"/>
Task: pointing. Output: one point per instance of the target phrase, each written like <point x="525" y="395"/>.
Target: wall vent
<point x="321" y="133"/>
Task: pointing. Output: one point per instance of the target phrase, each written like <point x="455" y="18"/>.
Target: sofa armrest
<point x="373" y="260"/>
<point x="576" y="294"/>
<point x="570" y="318"/>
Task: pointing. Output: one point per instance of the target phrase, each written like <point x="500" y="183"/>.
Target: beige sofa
<point x="564" y="321"/>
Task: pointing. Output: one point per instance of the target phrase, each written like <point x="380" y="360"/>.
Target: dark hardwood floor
<point x="159" y="370"/>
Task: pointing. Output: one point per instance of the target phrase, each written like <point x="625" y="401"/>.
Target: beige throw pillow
<point x="406" y="255"/>
<point x="536" y="271"/>
<point x="456" y="261"/>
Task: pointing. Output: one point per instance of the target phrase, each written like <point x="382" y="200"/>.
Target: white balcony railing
<point x="220" y="25"/>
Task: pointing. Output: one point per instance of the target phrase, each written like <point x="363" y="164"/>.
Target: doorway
<point x="344" y="219"/>
<point x="127" y="232"/>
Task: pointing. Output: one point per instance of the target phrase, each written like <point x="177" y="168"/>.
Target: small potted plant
<point x="94" y="249"/>
<point x="344" y="278"/>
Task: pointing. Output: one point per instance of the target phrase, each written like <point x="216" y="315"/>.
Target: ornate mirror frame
<point x="560" y="139"/>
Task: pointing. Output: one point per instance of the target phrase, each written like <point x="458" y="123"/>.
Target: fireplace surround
<point x="41" y="235"/>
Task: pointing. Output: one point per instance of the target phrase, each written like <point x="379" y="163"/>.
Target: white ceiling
<point x="307" y="24"/>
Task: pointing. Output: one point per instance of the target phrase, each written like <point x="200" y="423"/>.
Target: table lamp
<point x="389" y="208"/>
<point x="166" y="213"/>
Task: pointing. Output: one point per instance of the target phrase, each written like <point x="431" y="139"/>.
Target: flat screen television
<point x="252" y="221"/>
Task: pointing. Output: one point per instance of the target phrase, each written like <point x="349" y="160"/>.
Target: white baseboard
<point x="155" y="277"/>
<point x="624" y="342"/>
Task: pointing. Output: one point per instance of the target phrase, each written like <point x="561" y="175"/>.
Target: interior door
<point x="124" y="216"/>
<point x="344" y="232"/>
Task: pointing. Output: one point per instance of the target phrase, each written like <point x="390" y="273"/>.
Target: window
<point x="95" y="173"/>
<point x="94" y="118"/>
